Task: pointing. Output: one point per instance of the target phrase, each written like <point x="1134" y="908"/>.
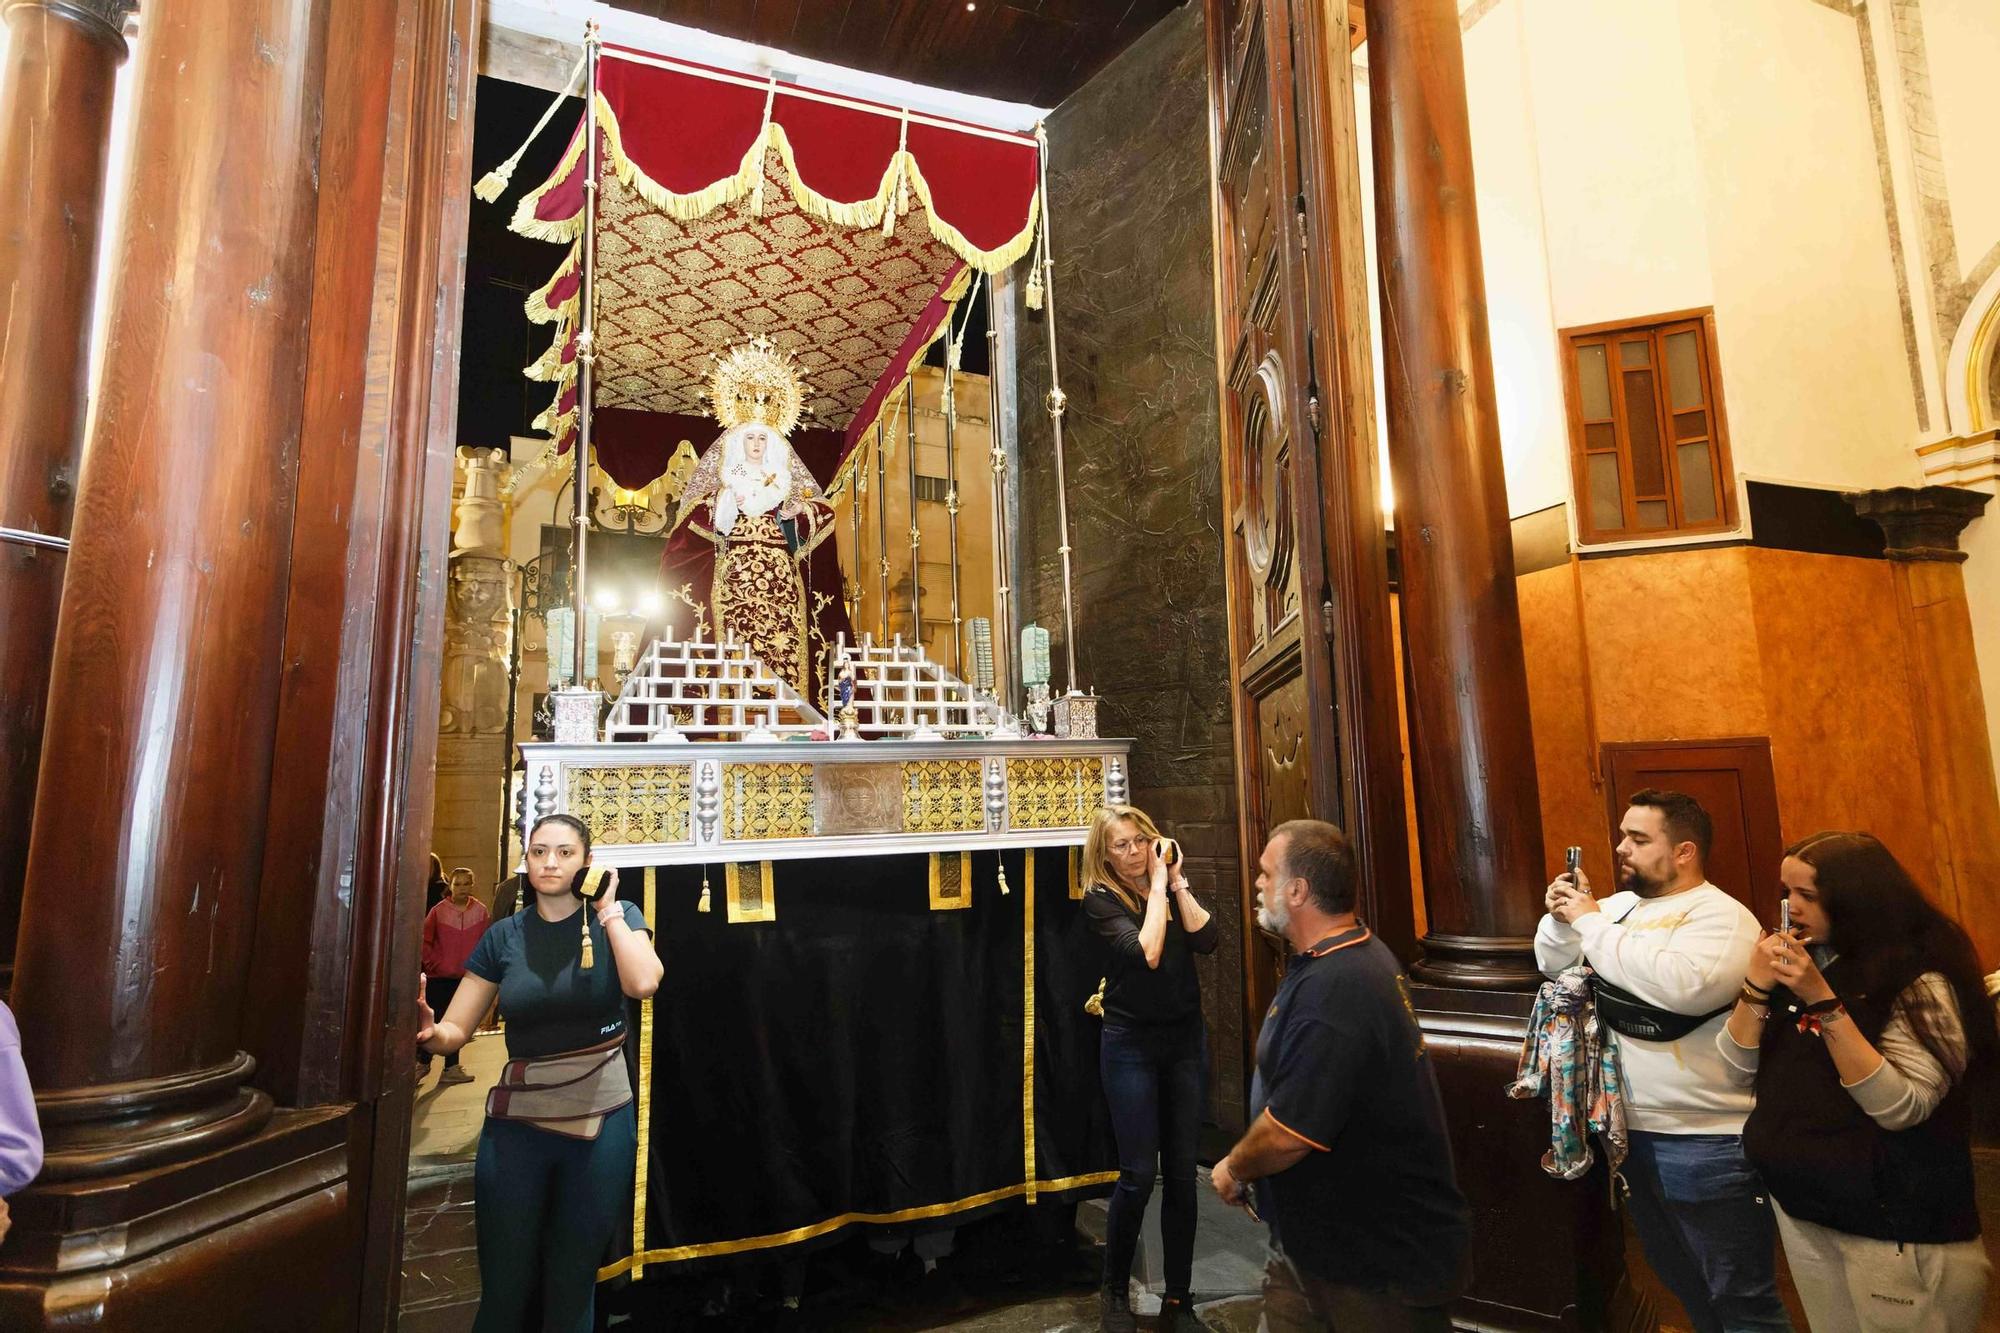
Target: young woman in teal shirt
<point x="557" y="1152"/>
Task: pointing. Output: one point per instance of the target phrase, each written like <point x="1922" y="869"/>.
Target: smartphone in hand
<point x="1785" y="914"/>
<point x="1573" y="862"/>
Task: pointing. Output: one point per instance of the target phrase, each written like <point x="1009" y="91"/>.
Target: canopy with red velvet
<point x="729" y="206"/>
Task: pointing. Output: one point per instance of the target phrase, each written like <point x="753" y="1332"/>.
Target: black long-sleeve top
<point x="1136" y="995"/>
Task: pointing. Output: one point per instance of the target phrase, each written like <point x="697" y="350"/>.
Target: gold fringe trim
<point x="685" y="207"/>
<point x="537" y="305"/>
<point x="525" y="223"/>
<point x="549" y="365"/>
<point x="682" y="1253"/>
<point x="553" y="425"/>
<point x="902" y="174"/>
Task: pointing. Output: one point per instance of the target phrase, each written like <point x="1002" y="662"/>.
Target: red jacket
<point x="450" y="934"/>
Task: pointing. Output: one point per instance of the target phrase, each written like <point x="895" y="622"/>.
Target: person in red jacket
<point x="451" y="932"/>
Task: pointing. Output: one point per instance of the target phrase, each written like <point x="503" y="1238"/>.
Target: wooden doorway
<point x="1733" y="781"/>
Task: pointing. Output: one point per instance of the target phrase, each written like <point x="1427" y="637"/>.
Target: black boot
<point x="1177" y="1316"/>
<point x="1115" y="1311"/>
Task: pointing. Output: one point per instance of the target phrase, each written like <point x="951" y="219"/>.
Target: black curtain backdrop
<point x="863" y="1054"/>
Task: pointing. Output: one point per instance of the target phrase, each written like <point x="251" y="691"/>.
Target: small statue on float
<point x="765" y="512"/>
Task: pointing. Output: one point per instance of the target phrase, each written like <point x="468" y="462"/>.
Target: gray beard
<point x="1274" y="919"/>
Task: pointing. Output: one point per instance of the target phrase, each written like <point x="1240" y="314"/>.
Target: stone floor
<point x="1002" y="1276"/>
<point x="445" y="1127"/>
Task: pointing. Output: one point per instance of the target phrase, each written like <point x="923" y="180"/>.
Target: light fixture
<point x="649" y="602"/>
<point x="605" y="600"/>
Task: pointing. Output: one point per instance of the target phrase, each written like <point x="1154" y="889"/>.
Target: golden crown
<point x="756" y="381"/>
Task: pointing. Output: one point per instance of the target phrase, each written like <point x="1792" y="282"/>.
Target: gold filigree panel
<point x="767" y="801"/>
<point x="943" y="796"/>
<point x="625" y="804"/>
<point x="1053" y="793"/>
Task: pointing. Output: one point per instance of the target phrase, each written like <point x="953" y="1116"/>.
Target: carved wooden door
<point x="1313" y="681"/>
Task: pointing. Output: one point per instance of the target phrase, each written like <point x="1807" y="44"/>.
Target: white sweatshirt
<point x="1686" y="952"/>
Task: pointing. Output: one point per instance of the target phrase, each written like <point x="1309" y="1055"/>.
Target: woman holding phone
<point x="1153" y="1055"/>
<point x="557" y="1151"/>
<point x="1860" y="1025"/>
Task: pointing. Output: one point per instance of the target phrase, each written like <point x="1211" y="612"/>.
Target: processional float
<point x="737" y="245"/>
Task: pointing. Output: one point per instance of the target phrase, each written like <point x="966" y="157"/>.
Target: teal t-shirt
<point x="550" y="1004"/>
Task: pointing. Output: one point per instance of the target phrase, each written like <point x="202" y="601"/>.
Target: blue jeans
<point x="1155" y="1080"/>
<point x="1707" y="1229"/>
<point x="546" y="1206"/>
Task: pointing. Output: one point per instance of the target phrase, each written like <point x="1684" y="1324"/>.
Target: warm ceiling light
<point x="970" y="6"/>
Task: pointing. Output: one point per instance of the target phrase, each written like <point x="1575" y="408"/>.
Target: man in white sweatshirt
<point x="1669" y="953"/>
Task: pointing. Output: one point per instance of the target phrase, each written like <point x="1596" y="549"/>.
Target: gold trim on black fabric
<point x="951" y="881"/>
<point x="755" y="900"/>
<point x="713" y="1249"/>
<point x="1028" y="1183"/>
<point x="645" y="1096"/>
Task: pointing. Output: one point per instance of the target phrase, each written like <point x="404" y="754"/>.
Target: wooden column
<point x="1922" y="527"/>
<point x="1478" y="812"/>
<point x="55" y="129"/>
<point x="142" y="880"/>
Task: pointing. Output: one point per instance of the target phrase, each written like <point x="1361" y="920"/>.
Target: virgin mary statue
<point x="763" y="510"/>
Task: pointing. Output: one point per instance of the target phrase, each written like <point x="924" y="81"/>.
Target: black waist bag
<point x="1627" y="1014"/>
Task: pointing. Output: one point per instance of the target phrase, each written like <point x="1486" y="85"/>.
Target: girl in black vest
<point x="1860" y="1029"/>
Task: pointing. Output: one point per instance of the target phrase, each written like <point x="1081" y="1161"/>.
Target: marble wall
<point x="1129" y="212"/>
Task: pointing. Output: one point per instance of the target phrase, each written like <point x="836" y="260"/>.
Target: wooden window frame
<point x="1721" y="457"/>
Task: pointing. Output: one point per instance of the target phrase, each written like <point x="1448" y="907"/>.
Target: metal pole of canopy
<point x="856" y="489"/>
<point x="1005" y="677"/>
<point x="586" y="356"/>
<point x="916" y="533"/>
<point x="1055" y="402"/>
<point x="881" y="535"/>
<point x="951" y="495"/>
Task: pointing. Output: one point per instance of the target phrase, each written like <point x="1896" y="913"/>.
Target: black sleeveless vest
<point x="1826" y="1161"/>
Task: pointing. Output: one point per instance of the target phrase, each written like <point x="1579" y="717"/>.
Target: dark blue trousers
<point x="1155" y="1081"/>
<point x="546" y="1207"/>
<point x="1707" y="1230"/>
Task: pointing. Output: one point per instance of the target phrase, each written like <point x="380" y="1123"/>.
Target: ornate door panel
<point x="1307" y="710"/>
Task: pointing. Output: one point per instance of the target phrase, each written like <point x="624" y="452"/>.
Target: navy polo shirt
<point x="1341" y="1065"/>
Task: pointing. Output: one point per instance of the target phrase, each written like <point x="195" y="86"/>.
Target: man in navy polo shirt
<point x="1347" y="1141"/>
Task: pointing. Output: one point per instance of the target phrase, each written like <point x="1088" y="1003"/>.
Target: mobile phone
<point x="1169" y="851"/>
<point x="1573" y="860"/>
<point x="1785" y="915"/>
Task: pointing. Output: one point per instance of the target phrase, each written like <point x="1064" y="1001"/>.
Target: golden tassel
<point x="702" y="906"/>
<point x="493" y="182"/>
<point x="1003" y="875"/>
<point x="587" y="958"/>
<point x="1035" y="289"/>
<point x="1094" y="1006"/>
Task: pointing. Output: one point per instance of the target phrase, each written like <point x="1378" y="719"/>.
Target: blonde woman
<point x="1153" y="1055"/>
